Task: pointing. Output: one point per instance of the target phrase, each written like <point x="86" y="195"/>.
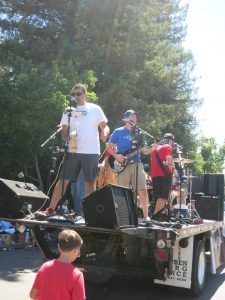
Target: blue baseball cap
<point x="129" y="112"/>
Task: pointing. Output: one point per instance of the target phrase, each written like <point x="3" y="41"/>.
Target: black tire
<point x="198" y="268"/>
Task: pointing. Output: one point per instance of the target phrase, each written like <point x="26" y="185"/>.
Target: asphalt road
<point x="18" y="269"/>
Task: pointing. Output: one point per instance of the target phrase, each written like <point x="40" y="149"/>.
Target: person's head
<point x="168" y="138"/>
<point x="69" y="242"/>
<point x="66" y="202"/>
<point x="80" y="92"/>
<point x="130" y="115"/>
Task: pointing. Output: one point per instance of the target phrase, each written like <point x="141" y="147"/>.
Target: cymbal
<point x="183" y="160"/>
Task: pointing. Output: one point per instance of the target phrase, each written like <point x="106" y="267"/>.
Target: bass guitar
<point x="119" y="167"/>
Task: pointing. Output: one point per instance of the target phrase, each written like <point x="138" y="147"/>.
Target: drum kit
<point x="182" y="190"/>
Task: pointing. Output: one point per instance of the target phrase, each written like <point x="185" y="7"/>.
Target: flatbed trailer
<point x="171" y="253"/>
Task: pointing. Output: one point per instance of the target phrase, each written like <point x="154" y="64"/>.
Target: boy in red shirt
<point x="58" y="279"/>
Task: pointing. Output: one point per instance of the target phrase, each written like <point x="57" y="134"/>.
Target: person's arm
<point x="33" y="293"/>
<point x="78" y="292"/>
<point x="104" y="131"/>
<point x="150" y="148"/>
<point x="170" y="163"/>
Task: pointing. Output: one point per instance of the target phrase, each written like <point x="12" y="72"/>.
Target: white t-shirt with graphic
<point x="85" y="120"/>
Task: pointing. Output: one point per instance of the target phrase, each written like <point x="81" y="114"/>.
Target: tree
<point x="129" y="52"/>
<point x="209" y="157"/>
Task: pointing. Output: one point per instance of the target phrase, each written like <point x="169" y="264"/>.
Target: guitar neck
<point x="130" y="155"/>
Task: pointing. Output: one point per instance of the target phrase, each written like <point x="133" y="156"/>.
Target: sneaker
<point x="49" y="212"/>
<point x="144" y="220"/>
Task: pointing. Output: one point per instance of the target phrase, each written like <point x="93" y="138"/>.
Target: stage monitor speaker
<point x="210" y="208"/>
<point x="210" y="184"/>
<point x="198" y="183"/>
<point x="15" y="196"/>
<point x="112" y="206"/>
<point x="220" y="185"/>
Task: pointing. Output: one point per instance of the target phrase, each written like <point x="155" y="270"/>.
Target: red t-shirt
<point x="59" y="281"/>
<point x="163" y="151"/>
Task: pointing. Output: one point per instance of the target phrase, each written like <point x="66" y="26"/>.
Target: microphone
<point x="72" y="98"/>
<point x="177" y="146"/>
<point x="129" y="122"/>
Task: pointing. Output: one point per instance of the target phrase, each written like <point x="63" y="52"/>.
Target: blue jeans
<point x="78" y="192"/>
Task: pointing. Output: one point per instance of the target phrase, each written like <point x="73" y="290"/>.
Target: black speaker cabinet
<point x="15" y="196"/>
<point x="210" y="207"/>
<point x="220" y="185"/>
<point x="112" y="206"/>
<point x="210" y="184"/>
<point x="198" y="183"/>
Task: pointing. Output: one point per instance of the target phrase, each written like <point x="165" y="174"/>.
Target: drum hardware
<point x="183" y="160"/>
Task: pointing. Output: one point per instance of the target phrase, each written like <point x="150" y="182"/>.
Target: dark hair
<point x="168" y="136"/>
<point x="81" y="87"/>
<point x="69" y="239"/>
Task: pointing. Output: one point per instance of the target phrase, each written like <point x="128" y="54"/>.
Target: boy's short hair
<point x="68" y="240"/>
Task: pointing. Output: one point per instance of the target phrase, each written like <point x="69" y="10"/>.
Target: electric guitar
<point x="119" y="167"/>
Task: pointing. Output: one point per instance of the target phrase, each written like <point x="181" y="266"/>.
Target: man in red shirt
<point x="161" y="171"/>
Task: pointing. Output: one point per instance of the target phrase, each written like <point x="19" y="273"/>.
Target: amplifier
<point x="17" y="196"/>
<point x="112" y="206"/>
<point x="210" y="207"/>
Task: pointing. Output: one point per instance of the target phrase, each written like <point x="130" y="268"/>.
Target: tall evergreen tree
<point x="128" y="51"/>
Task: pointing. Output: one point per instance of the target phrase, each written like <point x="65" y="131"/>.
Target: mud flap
<point x="181" y="266"/>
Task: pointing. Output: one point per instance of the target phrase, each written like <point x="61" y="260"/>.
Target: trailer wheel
<point x="98" y="277"/>
<point x="198" y="268"/>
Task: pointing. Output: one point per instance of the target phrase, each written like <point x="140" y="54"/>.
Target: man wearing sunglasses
<point x="85" y="120"/>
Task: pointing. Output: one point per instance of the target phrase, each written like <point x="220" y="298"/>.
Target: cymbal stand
<point x="180" y="172"/>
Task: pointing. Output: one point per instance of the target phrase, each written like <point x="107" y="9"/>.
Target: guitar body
<point x="106" y="176"/>
<point x="115" y="165"/>
<point x="118" y="167"/>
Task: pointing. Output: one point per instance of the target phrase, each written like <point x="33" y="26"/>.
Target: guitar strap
<point x="166" y="174"/>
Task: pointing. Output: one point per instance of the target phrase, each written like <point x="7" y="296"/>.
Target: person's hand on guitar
<point x="120" y="158"/>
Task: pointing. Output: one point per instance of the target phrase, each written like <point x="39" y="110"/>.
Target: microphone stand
<point x="66" y="146"/>
<point x="138" y="132"/>
<point x="52" y="136"/>
<point x="181" y="168"/>
<point x="135" y="143"/>
<point x="53" y="158"/>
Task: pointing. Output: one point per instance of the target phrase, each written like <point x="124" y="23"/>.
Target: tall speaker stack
<point x="112" y="206"/>
<point x="17" y="196"/>
<point x="208" y="191"/>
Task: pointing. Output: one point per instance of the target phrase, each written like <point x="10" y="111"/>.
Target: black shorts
<point x="161" y="187"/>
<point x="74" y="162"/>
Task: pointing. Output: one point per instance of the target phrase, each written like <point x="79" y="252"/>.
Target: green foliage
<point x="209" y="157"/>
<point x="128" y="52"/>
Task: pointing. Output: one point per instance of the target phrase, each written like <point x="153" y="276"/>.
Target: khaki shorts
<point x="127" y="178"/>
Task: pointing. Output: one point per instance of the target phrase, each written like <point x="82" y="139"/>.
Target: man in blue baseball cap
<point x="122" y="140"/>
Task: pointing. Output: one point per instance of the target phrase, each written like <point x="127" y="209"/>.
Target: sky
<point x="206" y="40"/>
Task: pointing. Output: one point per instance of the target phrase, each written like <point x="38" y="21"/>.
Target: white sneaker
<point x="144" y="220"/>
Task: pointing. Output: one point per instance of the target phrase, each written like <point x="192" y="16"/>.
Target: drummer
<point x="176" y="189"/>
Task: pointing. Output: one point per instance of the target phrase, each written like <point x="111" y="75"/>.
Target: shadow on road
<point x="133" y="289"/>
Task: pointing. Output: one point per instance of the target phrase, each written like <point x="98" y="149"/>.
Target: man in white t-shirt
<point x="84" y="121"/>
